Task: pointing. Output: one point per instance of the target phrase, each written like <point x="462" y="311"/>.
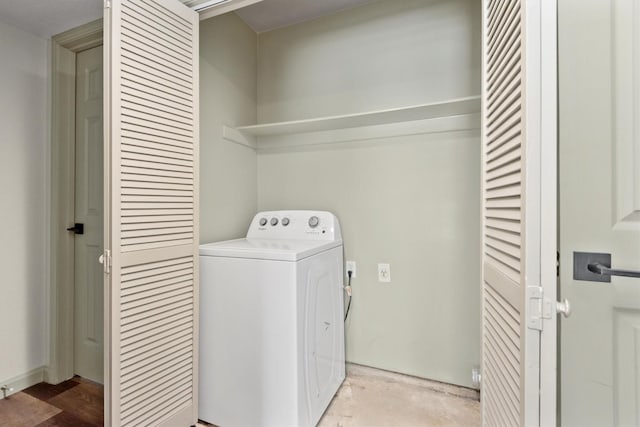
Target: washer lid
<point x="267" y="249"/>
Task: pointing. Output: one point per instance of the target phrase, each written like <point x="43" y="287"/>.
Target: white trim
<point x="47" y="210"/>
<point x="482" y="240"/>
<point x="108" y="40"/>
<point x="549" y="206"/>
<point x="222" y="8"/>
<point x="81" y="38"/>
<point x="199" y="5"/>
<point x="22" y="381"/>
<point x="532" y="205"/>
<point x="62" y="214"/>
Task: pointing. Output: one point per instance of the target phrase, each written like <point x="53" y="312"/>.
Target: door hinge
<point x="107" y="4"/>
<point x="105" y="260"/>
<point x="538" y="307"/>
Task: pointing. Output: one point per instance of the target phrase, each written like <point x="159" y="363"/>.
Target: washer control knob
<point x="263" y="222"/>
<point x="314" y="221"/>
<point x="274" y="221"/>
<point x="285" y="221"/>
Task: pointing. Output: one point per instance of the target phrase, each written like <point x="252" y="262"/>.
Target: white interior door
<point x="600" y="209"/>
<point x="519" y="213"/>
<point x="151" y="229"/>
<point x="89" y="287"/>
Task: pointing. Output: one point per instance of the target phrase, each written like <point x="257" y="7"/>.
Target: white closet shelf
<point x="454" y="107"/>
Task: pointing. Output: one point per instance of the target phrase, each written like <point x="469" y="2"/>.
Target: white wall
<point x="384" y="55"/>
<point x="23" y="186"/>
<point x="413" y="202"/>
<point x="228" y="180"/>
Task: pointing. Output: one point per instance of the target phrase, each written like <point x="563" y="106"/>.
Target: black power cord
<point x="348" y="288"/>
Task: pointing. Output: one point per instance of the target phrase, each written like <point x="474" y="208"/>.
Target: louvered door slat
<point x="504" y="267"/>
<point x="153" y="104"/>
<point x="157" y="41"/>
<point x="508" y="76"/>
<point x="149" y="22"/>
<point x="509" y="394"/>
<point x="168" y="25"/>
<point x="133" y="168"/>
<point x="505" y="60"/>
<point x="158" y="151"/>
<point x="509" y="96"/>
<point x="132" y="185"/>
<point x="142" y="127"/>
<point x="153" y="221"/>
<point x="508" y="142"/>
<point x="496" y="10"/>
<point x="502" y="234"/>
<point x="159" y="141"/>
<point x="505" y="27"/>
<point x="151" y="83"/>
<point x="151" y="321"/>
<point x="133" y="371"/>
<point x="157" y="116"/>
<point x="155" y="68"/>
<point x="506" y="359"/>
<point x="134" y="154"/>
<point x="503" y="350"/>
<point x="162" y="349"/>
<point x="506" y="158"/>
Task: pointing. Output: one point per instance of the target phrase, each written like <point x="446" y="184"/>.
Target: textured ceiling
<point x="46" y="18"/>
<point x="270" y="14"/>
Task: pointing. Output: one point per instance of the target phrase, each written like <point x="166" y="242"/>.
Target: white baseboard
<point x="20" y="382"/>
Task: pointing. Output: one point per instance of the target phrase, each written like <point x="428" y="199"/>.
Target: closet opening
<point x="373" y="114"/>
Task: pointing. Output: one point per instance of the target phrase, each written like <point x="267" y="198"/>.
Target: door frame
<point x="64" y="48"/>
<point x="549" y="212"/>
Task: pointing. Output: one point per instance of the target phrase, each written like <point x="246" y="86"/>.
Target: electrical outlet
<point x="384" y="273"/>
<point x="351" y="266"/>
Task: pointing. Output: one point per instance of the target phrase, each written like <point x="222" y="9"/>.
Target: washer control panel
<point x="309" y="225"/>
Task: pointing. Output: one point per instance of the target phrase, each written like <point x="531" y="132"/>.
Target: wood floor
<point x="76" y="402"/>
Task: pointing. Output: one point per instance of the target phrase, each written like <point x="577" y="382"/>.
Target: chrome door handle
<point x="605" y="270"/>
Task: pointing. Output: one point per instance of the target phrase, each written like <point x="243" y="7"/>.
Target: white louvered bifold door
<point x="151" y="232"/>
<point x="513" y="201"/>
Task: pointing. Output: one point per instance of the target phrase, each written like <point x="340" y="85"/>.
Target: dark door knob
<point x="77" y="228"/>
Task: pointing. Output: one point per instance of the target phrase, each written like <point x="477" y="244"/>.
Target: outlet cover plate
<point x="384" y="273"/>
<point x="350" y="266"/>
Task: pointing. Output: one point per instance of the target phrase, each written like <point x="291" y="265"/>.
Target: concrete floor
<point x="371" y="398"/>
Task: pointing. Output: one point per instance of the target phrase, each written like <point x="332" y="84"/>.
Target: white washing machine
<point x="271" y="322"/>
